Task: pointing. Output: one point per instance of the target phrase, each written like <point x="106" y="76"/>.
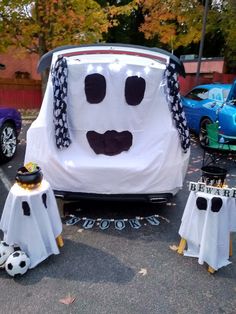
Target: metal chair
<point x="217" y="145"/>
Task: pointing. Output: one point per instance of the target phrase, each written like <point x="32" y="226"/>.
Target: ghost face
<point x="123" y="139"/>
<point x="112" y="142"/>
<point x="109" y="103"/>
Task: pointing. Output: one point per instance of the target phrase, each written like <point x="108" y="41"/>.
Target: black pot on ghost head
<point x="213" y="175"/>
<point x="29" y="179"/>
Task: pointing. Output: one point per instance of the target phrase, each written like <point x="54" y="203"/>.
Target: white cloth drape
<point x="155" y="163"/>
<point x="35" y="233"/>
<point x="207" y="232"/>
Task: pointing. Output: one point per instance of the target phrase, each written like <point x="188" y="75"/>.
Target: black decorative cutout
<point x="134" y="90"/>
<point x="110" y="143"/>
<point x="95" y="88"/>
<point x="26" y="208"/>
<point x="201" y="203"/>
<point x="44" y="199"/>
<point x="216" y="204"/>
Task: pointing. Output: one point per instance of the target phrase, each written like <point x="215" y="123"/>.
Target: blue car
<point x="10" y="126"/>
<point x="209" y="103"/>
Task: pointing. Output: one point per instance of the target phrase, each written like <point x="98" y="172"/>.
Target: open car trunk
<point x="111" y="124"/>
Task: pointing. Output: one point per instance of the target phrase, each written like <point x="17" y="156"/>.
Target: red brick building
<point x="19" y="65"/>
<point x="212" y="70"/>
<point x="20" y="84"/>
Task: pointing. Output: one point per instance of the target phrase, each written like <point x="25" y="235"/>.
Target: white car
<point x="111" y="124"/>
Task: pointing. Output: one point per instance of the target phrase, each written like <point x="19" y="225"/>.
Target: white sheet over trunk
<point x="155" y="162"/>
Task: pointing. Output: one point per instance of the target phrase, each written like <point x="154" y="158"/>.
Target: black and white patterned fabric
<point x="176" y="107"/>
<point x="60" y="85"/>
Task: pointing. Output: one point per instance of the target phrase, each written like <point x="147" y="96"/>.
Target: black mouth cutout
<point x="110" y="143"/>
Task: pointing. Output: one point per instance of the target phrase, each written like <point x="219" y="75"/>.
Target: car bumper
<point x="159" y="198"/>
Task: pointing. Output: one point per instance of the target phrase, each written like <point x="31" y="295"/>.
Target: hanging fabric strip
<point x="176" y="107"/>
<point x="60" y="85"/>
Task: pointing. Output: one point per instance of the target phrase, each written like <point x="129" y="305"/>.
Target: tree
<point x="39" y="26"/>
<point x="126" y="29"/>
<point x="173" y="23"/>
<point x="221" y="32"/>
<point x="176" y="25"/>
<point x="228" y="29"/>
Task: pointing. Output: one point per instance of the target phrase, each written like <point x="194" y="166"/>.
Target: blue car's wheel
<point x="203" y="139"/>
<point x="8" y="142"/>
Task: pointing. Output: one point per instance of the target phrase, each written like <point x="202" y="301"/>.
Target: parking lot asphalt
<point x="127" y="271"/>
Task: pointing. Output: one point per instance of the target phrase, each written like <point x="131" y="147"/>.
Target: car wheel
<point x="203" y="139"/>
<point x="8" y="142"/>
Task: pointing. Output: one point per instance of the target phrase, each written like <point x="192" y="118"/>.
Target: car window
<point x="216" y="94"/>
<point x="198" y="94"/>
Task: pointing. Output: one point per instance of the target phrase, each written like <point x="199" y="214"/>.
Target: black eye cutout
<point x="134" y="90"/>
<point x="216" y="204"/>
<point x="95" y="88"/>
<point x="201" y="203"/>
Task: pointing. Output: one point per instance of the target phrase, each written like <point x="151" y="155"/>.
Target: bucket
<point x="213" y="175"/>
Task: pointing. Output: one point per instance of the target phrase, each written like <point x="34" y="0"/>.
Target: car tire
<point x="8" y="142"/>
<point x="203" y="139"/>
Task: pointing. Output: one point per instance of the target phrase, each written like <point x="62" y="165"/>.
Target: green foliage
<point x="221" y="32"/>
<point x="173" y="23"/>
<point x="228" y="29"/>
<point x="40" y="25"/>
<point x="177" y="25"/>
<point x="127" y="29"/>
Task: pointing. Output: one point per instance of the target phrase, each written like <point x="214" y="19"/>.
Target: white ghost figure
<point x="123" y="138"/>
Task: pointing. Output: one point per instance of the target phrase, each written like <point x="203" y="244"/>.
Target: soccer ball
<point x="17" y="263"/>
<point x="5" y="251"/>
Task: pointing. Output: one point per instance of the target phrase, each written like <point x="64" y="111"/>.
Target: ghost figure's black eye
<point x="216" y="204"/>
<point x="134" y="90"/>
<point x="201" y="203"/>
<point x="95" y="88"/>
